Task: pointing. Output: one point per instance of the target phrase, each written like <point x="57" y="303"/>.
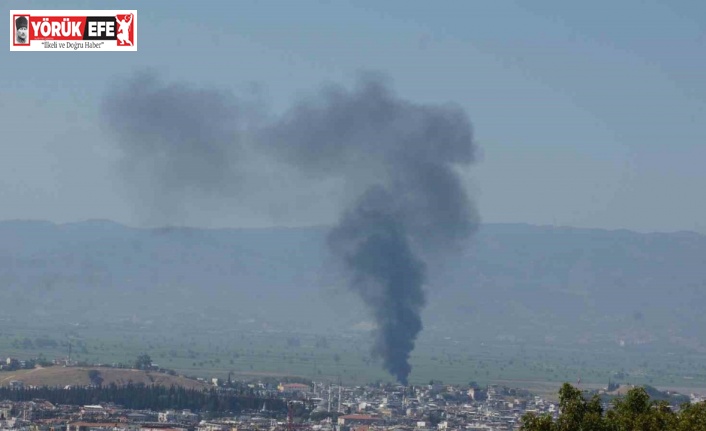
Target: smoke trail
<point x="406" y="203"/>
<point x="371" y="239"/>
<point x="413" y="205"/>
<point x="178" y="142"/>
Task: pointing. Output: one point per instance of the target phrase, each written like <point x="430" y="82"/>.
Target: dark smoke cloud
<point x="178" y="142"/>
<point x="372" y="240"/>
<point x="407" y="204"/>
<point x="413" y="204"/>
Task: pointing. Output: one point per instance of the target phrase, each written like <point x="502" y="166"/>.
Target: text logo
<point x="73" y="30"/>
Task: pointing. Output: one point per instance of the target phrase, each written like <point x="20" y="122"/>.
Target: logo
<point x="73" y="30"/>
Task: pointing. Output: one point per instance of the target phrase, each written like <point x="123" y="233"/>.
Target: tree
<point x="634" y="412"/>
<point x="42" y="361"/>
<point x="692" y="417"/>
<point x="95" y="377"/>
<point x="535" y="422"/>
<point x="435" y="417"/>
<point x="143" y="362"/>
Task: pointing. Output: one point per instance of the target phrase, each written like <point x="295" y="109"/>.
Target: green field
<point x="214" y="353"/>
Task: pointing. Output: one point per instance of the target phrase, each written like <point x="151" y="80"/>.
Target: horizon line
<point x="323" y="226"/>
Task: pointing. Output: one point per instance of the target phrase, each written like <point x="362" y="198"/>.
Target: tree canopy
<point x="143" y="397"/>
<point x="633" y="412"/>
<point x="143" y="362"/>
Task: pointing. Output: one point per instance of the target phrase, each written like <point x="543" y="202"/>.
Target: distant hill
<point x="514" y="281"/>
<point x="79" y="376"/>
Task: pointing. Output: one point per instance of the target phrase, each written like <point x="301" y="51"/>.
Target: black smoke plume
<point x="407" y="204"/>
<point x="372" y="240"/>
<point x="401" y="156"/>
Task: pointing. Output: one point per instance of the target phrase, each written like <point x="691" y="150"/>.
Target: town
<point x="265" y="404"/>
<point x="294" y="406"/>
<point x="268" y="403"/>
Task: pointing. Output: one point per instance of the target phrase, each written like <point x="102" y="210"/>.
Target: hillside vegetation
<point x="58" y="376"/>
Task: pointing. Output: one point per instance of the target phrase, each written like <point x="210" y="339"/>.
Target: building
<point x="94" y="412"/>
<point x="5" y="412"/>
<point x="168" y="416"/>
<point x="357" y="420"/>
<point x="100" y="426"/>
<point x="292" y="388"/>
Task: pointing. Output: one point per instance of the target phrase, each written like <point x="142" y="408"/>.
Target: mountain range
<point x="511" y="282"/>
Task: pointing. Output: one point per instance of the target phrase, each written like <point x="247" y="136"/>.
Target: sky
<point x="588" y="114"/>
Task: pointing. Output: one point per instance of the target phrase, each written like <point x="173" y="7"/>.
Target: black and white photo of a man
<point x="21" y="35"/>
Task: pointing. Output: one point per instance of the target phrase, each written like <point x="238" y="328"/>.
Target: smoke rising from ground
<point x="401" y="155"/>
<point x="397" y="158"/>
<point x="373" y="242"/>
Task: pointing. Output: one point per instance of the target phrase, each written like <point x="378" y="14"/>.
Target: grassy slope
<point x="63" y="376"/>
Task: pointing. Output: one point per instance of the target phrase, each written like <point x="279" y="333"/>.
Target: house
<point x="93" y="411"/>
<point x="168" y="416"/>
<point x="154" y="427"/>
<point x="99" y="426"/>
<point x="292" y="388"/>
<point x="5" y="412"/>
<point x="212" y="426"/>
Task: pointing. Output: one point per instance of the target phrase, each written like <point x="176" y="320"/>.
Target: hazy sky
<point x="589" y="114"/>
